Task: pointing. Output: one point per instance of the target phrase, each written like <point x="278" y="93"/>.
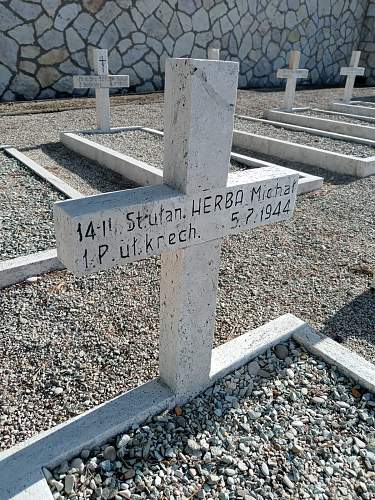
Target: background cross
<point x="351" y="72"/>
<point x="292" y="73"/>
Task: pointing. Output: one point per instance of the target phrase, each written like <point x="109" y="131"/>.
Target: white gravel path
<point x="335" y="145"/>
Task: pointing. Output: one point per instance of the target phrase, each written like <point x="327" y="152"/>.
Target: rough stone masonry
<point x="43" y="43"/>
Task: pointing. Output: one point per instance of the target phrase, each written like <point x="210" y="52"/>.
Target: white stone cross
<point x="184" y="219"/>
<point x="292" y="73"/>
<point x="351" y="72"/>
<point x="213" y="54"/>
<point x="101" y="81"/>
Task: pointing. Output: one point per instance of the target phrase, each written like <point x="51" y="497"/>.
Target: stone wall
<point x="367" y="44"/>
<point x="44" y="42"/>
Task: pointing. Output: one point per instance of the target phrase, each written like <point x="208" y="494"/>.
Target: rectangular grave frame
<point x="359" y="108"/>
<point x="21" y="467"/>
<point x="307" y="155"/>
<point x="347" y="129"/>
<point x="147" y="175"/>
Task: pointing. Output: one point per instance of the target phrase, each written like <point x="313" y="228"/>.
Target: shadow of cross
<point x="102" y="81"/>
<point x="291" y="74"/>
<point x="351" y="72"/>
<point x="183" y="219"/>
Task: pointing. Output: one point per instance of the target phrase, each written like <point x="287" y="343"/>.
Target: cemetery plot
<point x="331" y="154"/>
<point x="143" y="145"/>
<point x="87" y="176"/>
<point x="137" y="153"/>
<point x="354" y="108"/>
<point x="324" y="121"/>
<point x="220" y="442"/>
<point x="26" y="224"/>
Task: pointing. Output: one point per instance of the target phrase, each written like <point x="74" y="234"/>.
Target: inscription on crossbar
<point x="100" y="81"/>
<point x="102" y="231"/>
<point x="350" y="71"/>
<point x="292" y="73"/>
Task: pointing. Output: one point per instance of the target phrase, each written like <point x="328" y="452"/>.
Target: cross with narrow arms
<point x="292" y="73"/>
<point x="184" y="219"/>
<point x="102" y="82"/>
<point x="351" y="72"/>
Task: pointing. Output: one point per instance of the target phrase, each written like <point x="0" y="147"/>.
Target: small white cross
<point x="101" y="81"/>
<point x="213" y="54"/>
<point x="351" y="72"/>
<point x="292" y="73"/>
<point x="184" y="219"/>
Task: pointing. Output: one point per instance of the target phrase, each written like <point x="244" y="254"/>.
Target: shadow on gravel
<point x="366" y="98"/>
<point x="96" y="176"/>
<point x="355" y="319"/>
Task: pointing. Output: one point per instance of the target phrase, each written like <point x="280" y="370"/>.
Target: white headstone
<point x="292" y="73"/>
<point x="101" y="81"/>
<point x="184" y="219"/>
<point x="213" y="54"/>
<point x="351" y="72"/>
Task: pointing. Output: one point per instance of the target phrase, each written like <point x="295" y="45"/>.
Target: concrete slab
<point x="350" y="116"/>
<point x="338" y="128"/>
<point x="144" y="174"/>
<point x="328" y="160"/>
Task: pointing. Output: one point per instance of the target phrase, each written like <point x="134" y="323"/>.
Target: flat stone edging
<point x="16" y="270"/>
<point x="347" y="129"/>
<point x="144" y="174"/>
<point x="309" y="130"/>
<point x="21" y="466"/>
<point x="308" y="155"/>
<point x="354" y="109"/>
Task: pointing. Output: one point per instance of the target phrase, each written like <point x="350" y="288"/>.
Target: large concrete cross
<point x="101" y="81"/>
<point x="292" y="73"/>
<point x="183" y="219"/>
<point x="351" y="72"/>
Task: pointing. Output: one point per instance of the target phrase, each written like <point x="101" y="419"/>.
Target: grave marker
<point x="213" y="54"/>
<point x="291" y="74"/>
<point x="102" y="81"/>
<point x="351" y="72"/>
<point x="184" y="219"/>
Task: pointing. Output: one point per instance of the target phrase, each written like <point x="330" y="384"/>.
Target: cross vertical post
<point x="213" y="54"/>
<point x="290" y="89"/>
<point x="351" y="72"/>
<point x="199" y="94"/>
<point x="103" y="116"/>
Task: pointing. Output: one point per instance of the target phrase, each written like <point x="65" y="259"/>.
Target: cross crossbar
<point x="100" y="81"/>
<point x="116" y="228"/>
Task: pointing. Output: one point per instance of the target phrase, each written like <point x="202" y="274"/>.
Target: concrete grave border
<point x="147" y="175"/>
<point x="346" y="129"/>
<point x="21" y="467"/>
<point x="308" y="155"/>
<point x="355" y="108"/>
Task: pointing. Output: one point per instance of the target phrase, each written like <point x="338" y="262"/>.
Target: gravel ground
<point x="141" y="145"/>
<point x="26" y="224"/>
<point x="84" y="175"/>
<point x="263" y="432"/>
<point x="337" y="118"/>
<point x="338" y="146"/>
<point x="69" y="343"/>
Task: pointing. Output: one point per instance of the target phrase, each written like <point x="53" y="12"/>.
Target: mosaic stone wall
<point x="44" y="42"/>
<point x="367" y="44"/>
